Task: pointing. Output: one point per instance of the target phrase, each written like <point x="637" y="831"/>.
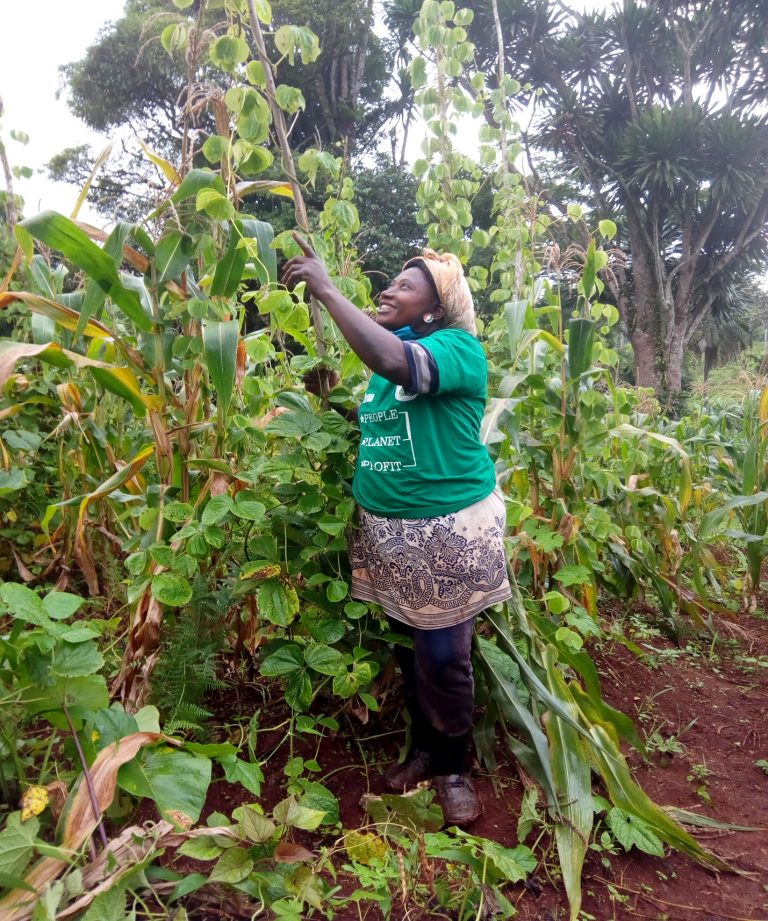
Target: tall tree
<point x="137" y="76"/>
<point x="657" y="110"/>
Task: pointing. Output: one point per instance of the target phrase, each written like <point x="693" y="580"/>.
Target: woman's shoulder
<point x="454" y="336"/>
<point x="455" y="340"/>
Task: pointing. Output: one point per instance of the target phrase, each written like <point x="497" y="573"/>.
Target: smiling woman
<point x="428" y="547"/>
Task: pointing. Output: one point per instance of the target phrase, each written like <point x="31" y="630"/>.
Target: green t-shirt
<point x="420" y="452"/>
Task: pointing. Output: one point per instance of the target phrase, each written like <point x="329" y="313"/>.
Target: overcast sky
<point x="39" y="36"/>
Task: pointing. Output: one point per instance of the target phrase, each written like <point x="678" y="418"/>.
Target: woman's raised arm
<point x="376" y="347"/>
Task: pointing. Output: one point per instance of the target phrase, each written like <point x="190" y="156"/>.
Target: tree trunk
<point x="673" y="364"/>
<point x="645" y="346"/>
<point x="642" y="309"/>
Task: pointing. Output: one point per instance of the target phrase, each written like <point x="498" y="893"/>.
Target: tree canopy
<point x="655" y="111"/>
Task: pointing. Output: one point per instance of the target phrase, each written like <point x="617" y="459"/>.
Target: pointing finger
<point x="306" y="248"/>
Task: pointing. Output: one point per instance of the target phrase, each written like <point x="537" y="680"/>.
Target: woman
<point x="429" y="544"/>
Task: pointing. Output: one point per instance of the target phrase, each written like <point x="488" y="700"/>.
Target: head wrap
<point x="447" y="274"/>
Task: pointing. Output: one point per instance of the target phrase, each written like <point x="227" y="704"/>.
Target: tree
<point x="656" y="110"/>
<point x="149" y="73"/>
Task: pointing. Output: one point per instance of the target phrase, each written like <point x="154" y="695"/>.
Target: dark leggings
<point x="439" y="691"/>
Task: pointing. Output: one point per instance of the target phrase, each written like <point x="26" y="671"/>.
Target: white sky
<point x="38" y="36"/>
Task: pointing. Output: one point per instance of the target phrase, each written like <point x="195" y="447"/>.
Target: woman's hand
<point x="309" y="269"/>
<point x="320" y="381"/>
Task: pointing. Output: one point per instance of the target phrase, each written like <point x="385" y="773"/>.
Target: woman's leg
<point x="439" y="694"/>
<point x="445" y="691"/>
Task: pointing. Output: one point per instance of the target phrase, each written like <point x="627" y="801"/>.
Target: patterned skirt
<point x="432" y="572"/>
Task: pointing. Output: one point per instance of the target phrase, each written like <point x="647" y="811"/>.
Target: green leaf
<point x="216" y="510"/>
<point x="324" y="659"/>
<point x="107" y="906"/>
<point x="12" y="481"/>
<point x="607" y="229"/>
<point x="233" y="866"/>
<point x="322" y="627"/>
<point x="251" y="160"/>
<point x="79" y="693"/>
<point x="61" y="605"/>
<point x="23" y="603"/>
<point x="74" y="660"/>
<point x="17" y="842"/>
<point x="243" y="772"/>
<point x="263" y="11"/>
<point x="255" y="825"/>
<point x="195" y="181"/>
<point x="581" y="338"/>
<point x="317" y="796"/>
<point x="298" y="691"/>
<point x="176" y="780"/>
<point x="573" y="575"/>
<point x="215" y="204"/>
<point x="290" y="99"/>
<point x="247" y="508"/>
<point x="202" y="848"/>
<point x="290" y="812"/>
<point x="631" y="831"/>
<point x="172" y="255"/>
<point x="220" y="340"/>
<point x="513" y="864"/>
<point x="113" y="724"/>
<point x="278" y="603"/>
<point x="289" y="39"/>
<point x="336" y="590"/>
<point x="228" y="51"/>
<point x="415" y="810"/>
<point x="170" y="589"/>
<point x="284" y="660"/>
<point x="64" y="236"/>
<point x="254" y="74"/>
<point x="229" y="269"/>
<point x="215" y="148"/>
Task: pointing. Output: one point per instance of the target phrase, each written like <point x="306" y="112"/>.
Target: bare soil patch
<point x="703" y="712"/>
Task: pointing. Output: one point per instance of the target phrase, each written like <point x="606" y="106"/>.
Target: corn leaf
<point x="581" y="337"/>
<point x="166" y="168"/>
<point x="172" y="255"/>
<point x="508" y="701"/>
<point x="571" y="770"/>
<point x="77" y="822"/>
<point x="230" y="268"/>
<point x="65" y="316"/>
<point x="220" y="344"/>
<point x="100" y="161"/>
<point x="686" y="479"/>
<point x="124" y="383"/>
<point x="627" y="795"/>
<point x="264" y="234"/>
<point x="273" y="186"/>
<point x="66" y="237"/>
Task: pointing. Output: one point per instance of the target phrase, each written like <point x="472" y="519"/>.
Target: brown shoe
<point x="413" y="770"/>
<point x="458" y="797"/>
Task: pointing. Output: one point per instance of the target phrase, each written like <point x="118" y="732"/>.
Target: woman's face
<point x="406" y="300"/>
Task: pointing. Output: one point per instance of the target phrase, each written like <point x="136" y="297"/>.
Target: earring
<point x="428" y="318"/>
